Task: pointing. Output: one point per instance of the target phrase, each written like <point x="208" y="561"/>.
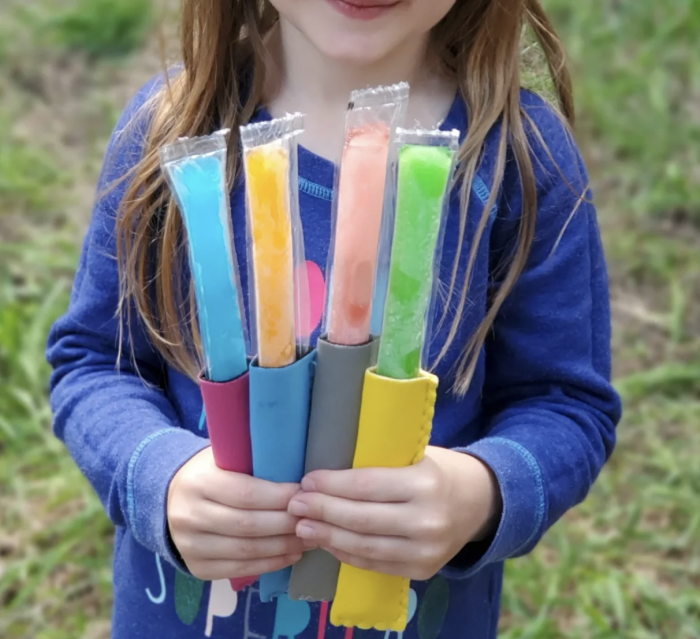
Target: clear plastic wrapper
<point x="424" y="179"/>
<point x="347" y="350"/>
<point x="195" y="169"/>
<point x="359" y="224"/>
<point x="398" y="398"/>
<point x="278" y="290"/>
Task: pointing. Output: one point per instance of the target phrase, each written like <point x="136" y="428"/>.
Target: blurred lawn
<point x="624" y="564"/>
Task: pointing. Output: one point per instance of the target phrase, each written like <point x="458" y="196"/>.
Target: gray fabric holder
<point x="335" y="414"/>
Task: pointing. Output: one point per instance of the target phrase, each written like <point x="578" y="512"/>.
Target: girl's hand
<point x="400" y="521"/>
<point x="228" y="525"/>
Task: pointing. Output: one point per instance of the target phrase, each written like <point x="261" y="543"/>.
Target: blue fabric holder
<point x="279" y="422"/>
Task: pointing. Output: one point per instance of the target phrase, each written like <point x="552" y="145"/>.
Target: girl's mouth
<point x="363" y="9"/>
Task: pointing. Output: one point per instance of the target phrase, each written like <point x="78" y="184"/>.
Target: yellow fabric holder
<point x="395" y="423"/>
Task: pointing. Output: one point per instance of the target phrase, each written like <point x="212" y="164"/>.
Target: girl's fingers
<point x="214" y="570"/>
<point x="399" y="569"/>
<point x="367" y="518"/>
<point x="232" y="522"/>
<point x="247" y="493"/>
<point x="220" y="548"/>
<point x="382" y="485"/>
<point x="373" y="547"/>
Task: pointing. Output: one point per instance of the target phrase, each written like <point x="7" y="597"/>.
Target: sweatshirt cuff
<point x="152" y="466"/>
<point x="523" y="514"/>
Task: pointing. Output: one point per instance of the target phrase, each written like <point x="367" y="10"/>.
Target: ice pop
<point x="267" y="175"/>
<point x="359" y="217"/>
<point x="423" y="175"/>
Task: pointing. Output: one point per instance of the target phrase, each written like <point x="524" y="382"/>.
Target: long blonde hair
<point x="220" y="85"/>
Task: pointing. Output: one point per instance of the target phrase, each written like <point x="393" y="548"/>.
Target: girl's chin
<point x="362" y="53"/>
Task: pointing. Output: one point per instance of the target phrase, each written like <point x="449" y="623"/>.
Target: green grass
<point x="47" y="506"/>
<point x="639" y="87"/>
<point x="55" y="539"/>
<point x="27" y="176"/>
<point x="104" y="28"/>
<point x="97" y="28"/>
<point x="627" y="562"/>
<point x="624" y="564"/>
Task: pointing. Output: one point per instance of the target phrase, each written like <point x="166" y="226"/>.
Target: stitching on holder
<point x="423" y="439"/>
<point x="428" y="414"/>
<point x="405" y="586"/>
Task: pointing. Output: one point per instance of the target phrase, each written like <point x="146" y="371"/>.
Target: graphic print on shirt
<point x="223" y="601"/>
<point x="311" y="315"/>
<point x="433" y="610"/>
<point x="412" y="605"/>
<point x="292" y="618"/>
<point x="161" y="577"/>
<point x="188" y="597"/>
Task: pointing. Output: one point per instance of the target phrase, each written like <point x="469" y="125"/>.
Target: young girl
<point x="526" y="414"/>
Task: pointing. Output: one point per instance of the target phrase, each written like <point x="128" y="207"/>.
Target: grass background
<point x="624" y="564"/>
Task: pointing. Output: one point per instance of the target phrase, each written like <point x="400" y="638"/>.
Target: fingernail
<point x="298" y="508"/>
<point x="308" y="484"/>
<point x="305" y="532"/>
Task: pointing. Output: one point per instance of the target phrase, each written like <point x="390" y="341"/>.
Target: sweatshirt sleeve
<point x="113" y="415"/>
<point x="550" y="406"/>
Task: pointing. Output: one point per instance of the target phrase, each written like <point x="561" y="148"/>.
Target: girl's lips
<point x="363" y="9"/>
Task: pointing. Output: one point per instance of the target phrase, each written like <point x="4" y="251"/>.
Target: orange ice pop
<point x="358" y="223"/>
<point x="267" y="184"/>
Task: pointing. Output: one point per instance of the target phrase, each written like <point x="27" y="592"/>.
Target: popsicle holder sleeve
<point x="394" y="429"/>
<point x="333" y="424"/>
<point x="279" y="421"/>
<point x="226" y="406"/>
<point x="398" y="398"/>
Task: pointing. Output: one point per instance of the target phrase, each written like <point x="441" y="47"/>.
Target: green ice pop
<point x="423" y="175"/>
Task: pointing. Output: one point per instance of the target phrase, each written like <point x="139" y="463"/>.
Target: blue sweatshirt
<point x="540" y="412"/>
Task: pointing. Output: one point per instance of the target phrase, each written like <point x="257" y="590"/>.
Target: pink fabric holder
<point x="228" y="421"/>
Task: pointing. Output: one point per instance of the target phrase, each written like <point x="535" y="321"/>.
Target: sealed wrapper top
<point x="358" y="211"/>
<point x="278" y="291"/>
<point x="195" y="169"/>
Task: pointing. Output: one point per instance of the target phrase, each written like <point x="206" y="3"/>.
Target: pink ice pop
<point x="358" y="223"/>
